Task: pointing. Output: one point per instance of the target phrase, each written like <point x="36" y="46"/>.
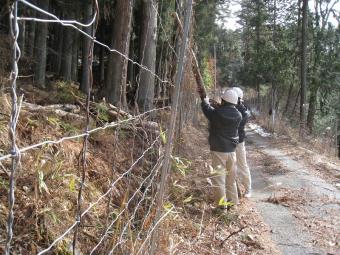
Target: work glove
<point x="206" y="100"/>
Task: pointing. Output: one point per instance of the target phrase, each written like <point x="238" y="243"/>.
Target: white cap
<point x="238" y="91"/>
<point x="230" y="96"/>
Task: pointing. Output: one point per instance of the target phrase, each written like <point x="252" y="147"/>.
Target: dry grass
<point x="287" y="197"/>
<point x="48" y="180"/>
<point x="321" y="144"/>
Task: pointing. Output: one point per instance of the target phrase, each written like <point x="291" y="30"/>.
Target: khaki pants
<point x="243" y="172"/>
<point x="224" y="176"/>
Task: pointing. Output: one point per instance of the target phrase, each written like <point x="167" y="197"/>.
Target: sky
<point x="231" y="22"/>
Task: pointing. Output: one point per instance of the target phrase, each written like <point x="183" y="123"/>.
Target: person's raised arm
<point x="207" y="109"/>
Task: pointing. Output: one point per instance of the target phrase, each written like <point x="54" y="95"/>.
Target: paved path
<point x="287" y="233"/>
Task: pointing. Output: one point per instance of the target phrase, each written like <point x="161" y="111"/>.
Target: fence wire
<point x="93" y="204"/>
<point x="55" y="18"/>
<point x="153" y="173"/>
<point x="86" y="137"/>
<point x="68" y="24"/>
<point x="15" y="153"/>
<point x="89" y="132"/>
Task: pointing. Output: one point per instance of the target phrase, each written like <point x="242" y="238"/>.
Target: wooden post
<point x="172" y="123"/>
<point x="195" y="66"/>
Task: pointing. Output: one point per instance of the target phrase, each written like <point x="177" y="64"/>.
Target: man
<point x="223" y="138"/>
<point x="242" y="167"/>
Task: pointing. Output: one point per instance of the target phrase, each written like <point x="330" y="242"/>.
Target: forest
<point x="264" y="53"/>
<point x="103" y="144"/>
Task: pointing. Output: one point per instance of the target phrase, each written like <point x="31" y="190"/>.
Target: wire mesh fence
<point x="97" y="195"/>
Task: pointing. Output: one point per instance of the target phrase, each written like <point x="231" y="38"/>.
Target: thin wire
<point x="153" y="228"/>
<point x="108" y="125"/>
<point x="139" y="75"/>
<point x="173" y="117"/>
<point x="101" y="44"/>
<point x="155" y="169"/>
<point x="23" y="18"/>
<point x="54" y="17"/>
<point x="145" y="218"/>
<point x="15" y="154"/>
<point x="100" y="198"/>
<point x="163" y="30"/>
<point x="86" y="137"/>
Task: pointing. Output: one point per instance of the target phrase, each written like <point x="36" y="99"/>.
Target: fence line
<point x="91" y="131"/>
<point x="158" y="221"/>
<point x="55" y="17"/>
<point x="173" y="117"/>
<point x="155" y="169"/>
<point x="15" y="154"/>
<point x="162" y="27"/>
<point x="112" y="186"/>
<point x="99" y="43"/>
<point x="87" y="124"/>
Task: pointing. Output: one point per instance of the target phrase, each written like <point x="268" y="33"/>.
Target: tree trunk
<point x="66" y="60"/>
<point x="315" y="82"/>
<point x="177" y="31"/>
<point x="257" y="48"/>
<point x="303" y="65"/>
<point x="102" y="66"/>
<point x="74" y="73"/>
<point x="148" y="55"/>
<point x="31" y="32"/>
<point x="159" y="68"/>
<point x="85" y="83"/>
<point x="289" y="99"/>
<point x="290" y="91"/>
<point x="273" y="76"/>
<point x="312" y="109"/>
<point x="40" y="48"/>
<point x="295" y="58"/>
<point x="116" y="77"/>
<point x="58" y="47"/>
<point x="296" y="102"/>
<point x="75" y="44"/>
<point x="131" y="70"/>
<point x="22" y="38"/>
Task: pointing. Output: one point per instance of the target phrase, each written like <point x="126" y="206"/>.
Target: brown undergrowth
<point x="48" y="179"/>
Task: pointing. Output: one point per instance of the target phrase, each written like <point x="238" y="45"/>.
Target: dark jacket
<point x="245" y="116"/>
<point x="223" y="125"/>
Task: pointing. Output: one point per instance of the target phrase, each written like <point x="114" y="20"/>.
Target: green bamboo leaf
<point x="223" y="202"/>
<point x="42" y="184"/>
<point x="72" y="184"/>
<point x="163" y="135"/>
<point x="168" y="206"/>
<point x="188" y="199"/>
